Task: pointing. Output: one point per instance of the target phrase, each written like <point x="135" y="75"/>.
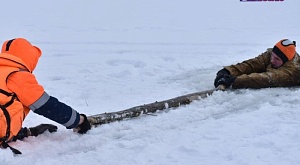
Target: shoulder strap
<point x="6" y="114"/>
<point x="15" y="151"/>
<point x="8" y="121"/>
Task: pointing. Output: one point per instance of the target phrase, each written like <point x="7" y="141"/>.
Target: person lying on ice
<point x="20" y="93"/>
<point x="277" y="67"/>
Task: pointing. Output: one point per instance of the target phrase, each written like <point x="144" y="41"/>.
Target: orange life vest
<point x="12" y="112"/>
<point x="16" y="55"/>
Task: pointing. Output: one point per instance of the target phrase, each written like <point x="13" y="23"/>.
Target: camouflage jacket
<point x="258" y="73"/>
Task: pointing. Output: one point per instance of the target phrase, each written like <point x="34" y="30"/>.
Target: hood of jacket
<point x="22" y="49"/>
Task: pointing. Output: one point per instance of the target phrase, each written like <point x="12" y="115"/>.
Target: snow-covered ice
<point x="105" y="56"/>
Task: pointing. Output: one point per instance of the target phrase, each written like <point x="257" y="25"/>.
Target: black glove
<point x="84" y="126"/>
<point x="221" y="73"/>
<point x="227" y="81"/>
<point x="23" y="133"/>
<point x="35" y="131"/>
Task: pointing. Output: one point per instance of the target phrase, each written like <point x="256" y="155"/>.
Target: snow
<point x="106" y="56"/>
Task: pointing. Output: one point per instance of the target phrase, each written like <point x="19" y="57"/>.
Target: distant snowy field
<point x="105" y="56"/>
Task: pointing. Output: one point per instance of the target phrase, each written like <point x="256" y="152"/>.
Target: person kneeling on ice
<point x="20" y="92"/>
<point x="277" y="67"/>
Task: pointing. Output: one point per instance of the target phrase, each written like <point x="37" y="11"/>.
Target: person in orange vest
<point x="20" y="92"/>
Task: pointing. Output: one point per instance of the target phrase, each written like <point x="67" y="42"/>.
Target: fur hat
<point x="285" y="49"/>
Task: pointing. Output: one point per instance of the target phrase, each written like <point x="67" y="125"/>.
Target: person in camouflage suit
<point x="277" y="67"/>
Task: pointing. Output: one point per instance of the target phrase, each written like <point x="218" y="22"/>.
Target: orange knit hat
<point x="285" y="49"/>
